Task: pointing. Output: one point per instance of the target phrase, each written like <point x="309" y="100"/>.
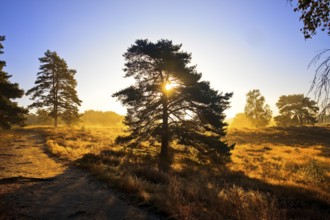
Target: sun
<point x="168" y="86"/>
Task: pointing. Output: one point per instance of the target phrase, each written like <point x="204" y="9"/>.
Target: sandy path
<point x="33" y="185"/>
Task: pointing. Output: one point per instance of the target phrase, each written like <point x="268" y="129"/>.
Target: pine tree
<point x="10" y="112"/>
<point x="55" y="89"/>
<point x="255" y="109"/>
<point x="169" y="102"/>
<point x="296" y="110"/>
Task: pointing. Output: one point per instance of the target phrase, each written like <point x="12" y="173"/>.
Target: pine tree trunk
<point x="163" y="160"/>
<point x="55" y="86"/>
<point x="55" y="118"/>
<point x="55" y="110"/>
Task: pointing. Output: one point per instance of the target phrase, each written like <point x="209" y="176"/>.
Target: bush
<point x="313" y="172"/>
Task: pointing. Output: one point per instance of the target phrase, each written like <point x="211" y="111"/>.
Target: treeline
<point x="88" y="118"/>
<point x="100" y="118"/>
<point x="294" y="110"/>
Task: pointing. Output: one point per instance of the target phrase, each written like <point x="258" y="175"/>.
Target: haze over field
<point x="237" y="45"/>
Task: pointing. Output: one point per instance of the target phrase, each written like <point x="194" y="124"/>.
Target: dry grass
<point x="275" y="173"/>
<point x="72" y="144"/>
<point x="294" y="156"/>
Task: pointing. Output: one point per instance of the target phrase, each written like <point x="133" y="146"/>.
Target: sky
<point x="237" y="45"/>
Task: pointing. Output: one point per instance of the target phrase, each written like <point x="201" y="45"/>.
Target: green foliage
<point x="56" y="89"/>
<point x="10" y="112"/>
<point x="41" y="117"/>
<point x="296" y="110"/>
<point x="256" y="110"/>
<point x="191" y="113"/>
<point x="71" y="116"/>
<point x="314" y="14"/>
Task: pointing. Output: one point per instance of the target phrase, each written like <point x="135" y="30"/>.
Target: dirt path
<point x="33" y="185"/>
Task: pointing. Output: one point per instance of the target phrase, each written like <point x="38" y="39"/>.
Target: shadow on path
<point x="36" y="186"/>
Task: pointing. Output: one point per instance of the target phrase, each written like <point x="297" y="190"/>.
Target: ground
<point x="274" y="173"/>
<point x="34" y="184"/>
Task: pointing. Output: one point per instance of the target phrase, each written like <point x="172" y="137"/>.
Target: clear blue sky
<point x="238" y="45"/>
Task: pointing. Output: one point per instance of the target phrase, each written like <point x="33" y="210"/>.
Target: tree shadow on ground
<point x="290" y="136"/>
<point x="193" y="190"/>
<point x="295" y="202"/>
<point x="68" y="195"/>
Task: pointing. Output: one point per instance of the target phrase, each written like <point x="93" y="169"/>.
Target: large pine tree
<point x="55" y="89"/>
<point x="10" y="112"/>
<point x="169" y="102"/>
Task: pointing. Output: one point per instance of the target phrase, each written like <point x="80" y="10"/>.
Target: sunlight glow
<point x="168" y="86"/>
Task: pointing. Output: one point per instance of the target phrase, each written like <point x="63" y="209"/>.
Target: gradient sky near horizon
<point x="238" y="45"/>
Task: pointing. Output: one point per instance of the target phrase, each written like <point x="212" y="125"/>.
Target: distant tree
<point x="10" y="112"/>
<point x="314" y="15"/>
<point x="31" y="119"/>
<point x="43" y="117"/>
<point x="101" y="118"/>
<point x="40" y="117"/>
<point x="71" y="116"/>
<point x="256" y="110"/>
<point x="240" y="121"/>
<point x="169" y="103"/>
<point x="55" y="89"/>
<point x="296" y="110"/>
<point x="325" y="119"/>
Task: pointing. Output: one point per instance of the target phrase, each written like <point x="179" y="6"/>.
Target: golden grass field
<point x="275" y="173"/>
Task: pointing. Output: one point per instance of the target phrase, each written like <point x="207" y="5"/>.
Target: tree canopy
<point x="296" y="110"/>
<point x="256" y="110"/>
<point x="169" y="102"/>
<point x="10" y="112"/>
<point x="314" y="15"/>
<point x="55" y="89"/>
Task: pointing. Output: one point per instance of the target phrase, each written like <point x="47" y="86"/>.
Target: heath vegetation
<point x="275" y="173"/>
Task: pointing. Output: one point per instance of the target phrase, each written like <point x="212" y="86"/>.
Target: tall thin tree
<point x="55" y="89"/>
